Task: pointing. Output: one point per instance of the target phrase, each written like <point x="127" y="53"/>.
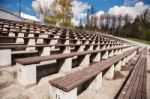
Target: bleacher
<point x="135" y="85"/>
<point x="41" y="50"/>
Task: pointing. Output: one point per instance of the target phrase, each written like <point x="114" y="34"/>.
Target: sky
<point x="105" y="5"/>
<point x="81" y="6"/>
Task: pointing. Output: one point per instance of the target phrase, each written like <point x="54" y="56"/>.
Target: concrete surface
<point x="109" y="88"/>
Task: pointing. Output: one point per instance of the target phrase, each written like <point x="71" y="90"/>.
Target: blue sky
<point x="13" y="5"/>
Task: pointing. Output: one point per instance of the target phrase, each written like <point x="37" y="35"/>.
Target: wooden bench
<point x="13" y="39"/>
<point x="66" y="87"/>
<point x="61" y="36"/>
<point x="20" y="51"/>
<point x="50" y="28"/>
<point x="135" y="85"/>
<point x="41" y="26"/>
<point x="38" y="33"/>
<point x="64" y="61"/>
<point x="30" y="42"/>
<point x="15" y="46"/>
<point x="33" y="60"/>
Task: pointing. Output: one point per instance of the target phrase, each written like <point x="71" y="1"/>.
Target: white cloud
<point x="79" y="11"/>
<point x="123" y="10"/>
<point x="132" y="11"/>
<point x="27" y="16"/>
<point x="99" y="13"/>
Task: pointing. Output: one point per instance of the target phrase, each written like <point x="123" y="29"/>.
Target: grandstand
<point x="84" y="58"/>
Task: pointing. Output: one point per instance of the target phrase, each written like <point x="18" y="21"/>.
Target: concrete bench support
<point x="124" y="49"/>
<point x="65" y="64"/>
<point x="97" y="57"/>
<point x="20" y="40"/>
<point x="116" y="51"/>
<point x="11" y="34"/>
<point x="127" y="58"/>
<point x="46" y="51"/>
<point x="112" y="46"/>
<point x="31" y="42"/>
<point x="66" y="41"/>
<point x="118" y="66"/>
<point x="130" y="57"/>
<point x="42" y="40"/>
<point x="53" y="42"/>
<point x="86" y="42"/>
<point x="78" y="42"/>
<point x="56" y="93"/>
<point x="111" y="53"/>
<point x="81" y="48"/>
<point x="26" y="74"/>
<point x="96" y="84"/>
<point x="120" y="51"/>
<point x="133" y="54"/>
<point x="91" y="47"/>
<point x="110" y="73"/>
<point x="108" y="46"/>
<point x="105" y="56"/>
<point x="104" y="47"/>
<point x="124" y="60"/>
<point x="5" y="57"/>
<point x="86" y="60"/>
<point x="66" y="50"/>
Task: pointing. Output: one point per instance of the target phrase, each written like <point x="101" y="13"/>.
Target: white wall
<point x="7" y="15"/>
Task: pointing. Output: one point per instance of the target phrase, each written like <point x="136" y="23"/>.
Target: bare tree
<point x="127" y="19"/>
<point x="114" y="20"/>
<point x="119" y="20"/>
<point x="43" y="8"/>
<point x="101" y="22"/>
<point x="144" y="16"/>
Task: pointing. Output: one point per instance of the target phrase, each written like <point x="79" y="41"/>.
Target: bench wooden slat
<point x="77" y="79"/>
<point x="135" y="87"/>
<point x="32" y="60"/>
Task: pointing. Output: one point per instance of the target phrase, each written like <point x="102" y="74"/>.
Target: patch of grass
<point x="139" y="40"/>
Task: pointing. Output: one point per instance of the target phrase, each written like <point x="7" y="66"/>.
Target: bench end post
<point x="56" y="93"/>
<point x="110" y="73"/>
<point x="26" y="74"/>
<point x="5" y="57"/>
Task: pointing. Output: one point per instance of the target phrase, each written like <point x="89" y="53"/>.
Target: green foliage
<point x="51" y="20"/>
<point x="63" y="12"/>
<point x="139" y="40"/>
